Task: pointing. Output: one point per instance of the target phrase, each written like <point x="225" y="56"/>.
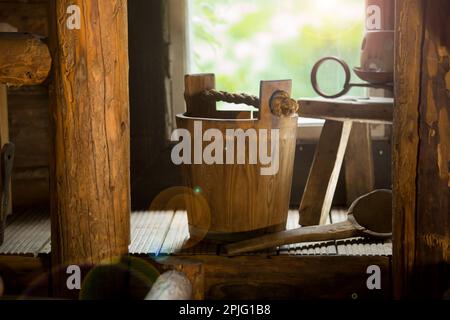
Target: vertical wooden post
<point x="359" y="167"/>
<point x="4" y="130"/>
<point x="421" y="261"/>
<point x="324" y="174"/>
<point x="90" y="169"/>
<point x="4" y="125"/>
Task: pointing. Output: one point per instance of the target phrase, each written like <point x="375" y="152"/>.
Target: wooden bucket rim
<point x="185" y="117"/>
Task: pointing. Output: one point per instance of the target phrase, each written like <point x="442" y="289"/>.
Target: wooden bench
<point x="346" y="133"/>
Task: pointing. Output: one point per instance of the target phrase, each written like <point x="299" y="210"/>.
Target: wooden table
<point x="346" y="133"/>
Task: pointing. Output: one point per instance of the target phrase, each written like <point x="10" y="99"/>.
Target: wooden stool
<point x="347" y="128"/>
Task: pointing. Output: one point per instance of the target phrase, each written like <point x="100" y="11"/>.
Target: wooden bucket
<point x="235" y="201"/>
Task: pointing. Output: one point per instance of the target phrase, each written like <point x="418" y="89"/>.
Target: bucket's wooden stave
<point x="235" y="201"/>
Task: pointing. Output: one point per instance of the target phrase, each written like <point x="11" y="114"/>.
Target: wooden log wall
<point x="421" y="261"/>
<point x="25" y="59"/>
<point x="28" y="111"/>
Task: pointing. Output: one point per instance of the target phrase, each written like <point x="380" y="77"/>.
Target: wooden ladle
<point x="369" y="216"/>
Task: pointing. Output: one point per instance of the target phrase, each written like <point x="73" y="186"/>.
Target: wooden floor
<point x="166" y="233"/>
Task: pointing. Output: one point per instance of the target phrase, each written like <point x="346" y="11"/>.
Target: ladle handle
<point x="330" y="232"/>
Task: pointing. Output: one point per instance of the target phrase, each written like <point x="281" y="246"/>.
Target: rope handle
<point x="281" y="104"/>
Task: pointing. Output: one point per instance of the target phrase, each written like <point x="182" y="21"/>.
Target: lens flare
<point x="191" y="219"/>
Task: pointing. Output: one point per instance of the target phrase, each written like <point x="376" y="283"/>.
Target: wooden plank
<point x="421" y="219"/>
<point x="374" y="110"/>
<point x="359" y="164"/>
<point x="321" y="185"/>
<point x="4" y="123"/>
<point x="196" y="106"/>
<point x="29" y="125"/>
<point x="90" y="165"/>
<point x="238" y="278"/>
<point x="409" y="37"/>
<point x="284" y="277"/>
<point x="4" y="134"/>
<point x="29" y="131"/>
<point x="432" y="257"/>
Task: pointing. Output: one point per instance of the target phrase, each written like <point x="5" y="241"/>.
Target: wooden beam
<point x="25" y="59"/>
<point x="289" y="277"/>
<point x="421" y="142"/>
<point x="4" y="130"/>
<point x="90" y="165"/>
<point x="409" y="34"/>
<point x="432" y="257"/>
<point x="375" y="110"/>
<point x="322" y="181"/>
<point x="4" y="124"/>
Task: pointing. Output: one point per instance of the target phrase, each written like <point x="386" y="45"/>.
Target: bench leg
<point x="359" y="167"/>
<point x="323" y="177"/>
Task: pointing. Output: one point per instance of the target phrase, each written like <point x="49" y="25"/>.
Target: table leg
<point x="323" y="177"/>
<point x="359" y="167"/>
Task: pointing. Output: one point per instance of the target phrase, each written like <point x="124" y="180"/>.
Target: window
<point x="245" y="41"/>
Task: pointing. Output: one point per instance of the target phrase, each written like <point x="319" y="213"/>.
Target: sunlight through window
<point x="245" y="41"/>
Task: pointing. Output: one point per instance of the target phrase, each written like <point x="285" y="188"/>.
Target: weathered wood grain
<point x="237" y="198"/>
<point x="322" y="181"/>
<point x="359" y="164"/>
<point x="421" y="213"/>
<point x="28" y="111"/>
<point x="90" y="165"/>
<point x="432" y="258"/>
<point x="378" y="111"/>
<point x="292" y="278"/>
<point x="4" y="123"/>
<point x="409" y="32"/>
<point x="4" y="132"/>
<point x="25" y="59"/>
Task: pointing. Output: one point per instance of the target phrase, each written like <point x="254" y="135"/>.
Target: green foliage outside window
<point x="245" y="41"/>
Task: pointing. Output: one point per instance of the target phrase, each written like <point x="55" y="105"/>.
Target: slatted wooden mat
<point x="159" y="233"/>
